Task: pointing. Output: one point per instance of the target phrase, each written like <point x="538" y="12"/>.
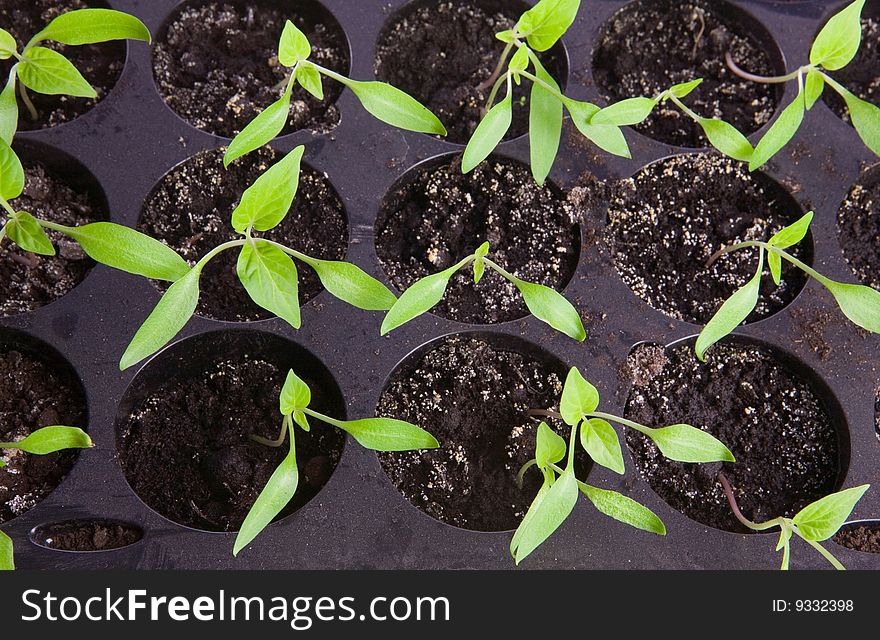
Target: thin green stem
<point x="7" y="206"/>
<point x="826" y="554"/>
<point x="571" y="444"/>
<point x="497" y="73"/>
<point x="504" y="272"/>
<point x="810" y="271"/>
<point x="545" y="412"/>
<point x="687" y="110"/>
<point x="277" y="442"/>
<point x="26" y="99"/>
<point x="734" y="507"/>
<point x="331" y="74"/>
<point x="553" y="90"/>
<point x="494" y="93"/>
<point x="627" y="423"/>
<point x="218" y="250"/>
<point x="2" y="233"/>
<point x="762" y="79"/>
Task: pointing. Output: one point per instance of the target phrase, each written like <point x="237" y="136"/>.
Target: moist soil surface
<point x="100" y="64"/>
<point x="860" y="538"/>
<point x="34" y="393"/>
<point x="186" y="450"/>
<point x="87" y="535"/>
<point x="672" y="216"/>
<point x="27" y="280"/>
<point x="216" y="65"/>
<point x="862" y="75"/>
<point x="438" y="216"/>
<point x="473" y="397"/>
<point x="649" y="46"/>
<point x="191" y="208"/>
<point x="442" y="53"/>
<point x="786" y="446"/>
<point x="859" y="228"/>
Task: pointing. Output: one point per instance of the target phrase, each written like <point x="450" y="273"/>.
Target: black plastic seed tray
<point x="360" y="520"/>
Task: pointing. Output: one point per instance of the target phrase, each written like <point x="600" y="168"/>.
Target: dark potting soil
<point x="473" y="397"/>
<point x="438" y="216"/>
<point x="27" y="280"/>
<point x="187" y="452"/>
<point x="217" y="66"/>
<point x="785" y="444"/>
<point x="862" y="75"/>
<point x="34" y="393"/>
<point x="86" y="535"/>
<point x="191" y="211"/>
<point x="649" y="46"/>
<point x="859" y="228"/>
<point x="441" y="53"/>
<point x="672" y="216"/>
<point x="860" y="538"/>
<point x="100" y="64"/>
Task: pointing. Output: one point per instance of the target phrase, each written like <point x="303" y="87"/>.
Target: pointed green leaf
<point x="300" y="418"/>
<point x="820" y="520"/>
<point x="8" y="45"/>
<point x="293" y="46"/>
<point x="393" y="106"/>
<point x="626" y="112"/>
<point x="793" y="233"/>
<point x="546" y="22"/>
<point x="386" y="434"/>
<point x="7" y="559"/>
<point x="813" y="87"/>
<point x="11" y="173"/>
<point x="839" y="40"/>
<point x="9" y="109"/>
<point x="310" y="79"/>
<point x="479" y="263"/>
<point x="685" y="443"/>
<point x="418" y="299"/>
<point x="727" y="139"/>
<point x="51" y="439"/>
<point x="295" y="394"/>
<point x="600" y="440"/>
<point x="606" y="137"/>
<point x="779" y="134"/>
<point x="259" y="131"/>
<point x="550" y="306"/>
<point x="550" y="447"/>
<point x="546" y="514"/>
<point x="351" y="284"/>
<point x="579" y="397"/>
<point x="520" y="60"/>
<point x="545" y="124"/>
<point x="623" y="509"/>
<point x="505" y="36"/>
<point x="270" y="278"/>
<point x="24" y="230"/>
<point x="88" y="26"/>
<point x="865" y="117"/>
<point x="266" y="202"/>
<point x="489" y="134"/>
<point x="685" y="88"/>
<point x="47" y="71"/>
<point x="859" y="303"/>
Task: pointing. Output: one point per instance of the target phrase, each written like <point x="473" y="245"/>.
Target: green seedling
<point x="46" y="71"/>
<point x="387" y="103"/>
<point x="859" y="303"/>
<point x="40" y="442"/>
<point x="543" y="302"/>
<point x="815" y="523"/>
<point x="378" y="434"/>
<point x="833" y="49"/>
<point x="559" y="493"/>
<point x="265" y="268"/>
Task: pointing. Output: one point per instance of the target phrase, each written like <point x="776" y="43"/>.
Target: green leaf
<point x="418" y="299"/>
<point x="293" y="46"/>
<point x="352" y="285"/>
<point x="505" y="36"/>
<point x="732" y="313"/>
<point x="550" y="447"/>
<point x="579" y="397"/>
<point x="385" y="434"/>
<point x="546" y="22"/>
<point x="813" y="87"/>
<point x="779" y="134"/>
<point x="128" y="250"/>
<point x="88" y="26"/>
<point x="685" y="88"/>
<point x="49" y="72"/>
<point x="865" y="117"/>
<point x="394" y="107"/>
<point x="623" y="509"/>
<point x="626" y="112"/>
<point x="300" y="418"/>
<point x="11" y="173"/>
<point x="279" y="490"/>
<point x="784" y="537"/>
<point x="820" y="520"/>
<point x="51" y="439"/>
<point x="24" y="230"/>
<point x="8" y="45"/>
<point x="8" y="110"/>
<point x="839" y="40"/>
<point x="550" y="306"/>
<point x="295" y="394"/>
<point x="479" y="263"/>
<point x="685" y="443"/>
<point x="608" y="138"/>
<point x="859" y="303"/>
<point x="548" y="511"/>
<point x="170" y="316"/>
<point x="266" y="202"/>
<point x="727" y="139"/>
<point x="519" y="61"/>
<point x="600" y="440"/>
<point x="259" y="131"/>
<point x="545" y="124"/>
<point x="488" y="134"/>
<point x="269" y="276"/>
<point x="7" y="559"/>
<point x="784" y="238"/>
<point x="310" y="79"/>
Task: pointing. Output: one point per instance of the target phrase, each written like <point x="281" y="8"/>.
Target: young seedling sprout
<point x="558" y="495"/>
<point x="41" y="442"/>
<point x="836" y="45"/>
<point x="265" y="268"/>
<point x="538" y="29"/>
<point x="46" y="71"/>
<point x="859" y="303"/>
<point x="387" y="103"/>
<point x="544" y="303"/>
<point x="815" y="523"/>
<point x="378" y="434"/>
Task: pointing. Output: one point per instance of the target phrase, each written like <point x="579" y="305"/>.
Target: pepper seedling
<point x="544" y="303"/>
<point x="378" y="434"/>
<point x="46" y="71"/>
<point x="815" y="523"/>
<point x="859" y="303"/>
<point x="834" y="48"/>
<point x="41" y="442"/>
<point x="265" y="268"/>
<point x="383" y="101"/>
<point x="559" y="493"/>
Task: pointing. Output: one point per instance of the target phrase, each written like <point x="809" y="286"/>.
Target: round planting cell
<point x="647" y="47"/>
<point x="216" y="63"/>
<point x="779" y="420"/>
<point x="86" y="535"/>
<point x="100" y="64"/>
<point x="443" y="52"/>
<point x="862" y="75"/>
<point x="665" y="223"/>
<point x="185" y="424"/>
<point x="863" y="535"/>
<point x="859" y="228"/>
<point x="38" y="388"/>
<point x="435" y="216"/>
<point x="59" y="189"/>
<point x="190" y="209"/>
<point x="472" y="391"/>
